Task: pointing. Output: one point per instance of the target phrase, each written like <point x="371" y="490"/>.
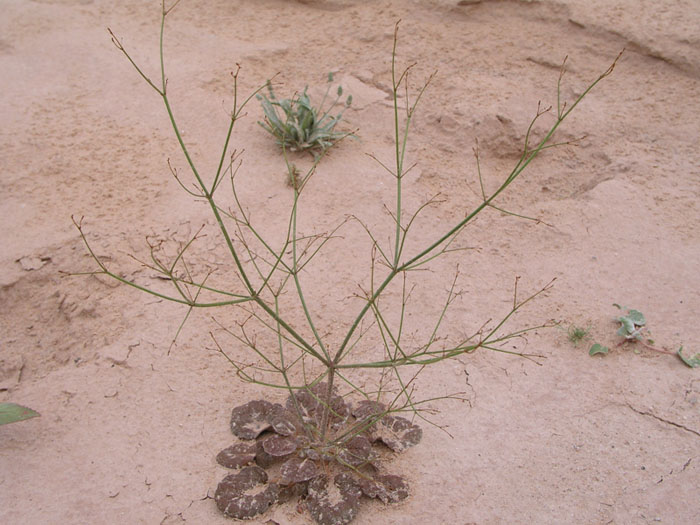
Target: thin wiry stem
<point x="268" y="270"/>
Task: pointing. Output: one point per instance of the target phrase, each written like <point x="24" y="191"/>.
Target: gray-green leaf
<point x="598" y="349"/>
<point x="627" y="327"/>
<point x="692" y="362"/>
<point x="636" y="317"/>
<point x="10" y="413"/>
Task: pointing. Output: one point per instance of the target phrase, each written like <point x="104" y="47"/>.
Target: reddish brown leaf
<point x="311" y="407"/>
<point x="356" y="452"/>
<point x="252" y="419"/>
<point x="397" y="433"/>
<point x="335" y="504"/>
<point x="236" y="456"/>
<point x="388" y="488"/>
<point x="243" y="495"/>
<point x="366" y="409"/>
<point x="279" y="446"/>
<point x="296" y="470"/>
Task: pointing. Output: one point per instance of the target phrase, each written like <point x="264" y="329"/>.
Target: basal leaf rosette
<point x="331" y="471"/>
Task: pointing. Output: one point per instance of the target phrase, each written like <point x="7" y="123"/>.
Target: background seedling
<point x="632" y="328"/>
<point x="575" y="334"/>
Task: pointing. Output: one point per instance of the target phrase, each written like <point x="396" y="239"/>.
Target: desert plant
<point x="632" y="329"/>
<point x="326" y="443"/>
<point x="299" y="125"/>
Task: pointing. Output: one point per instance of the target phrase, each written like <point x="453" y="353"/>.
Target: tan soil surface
<point x="129" y="431"/>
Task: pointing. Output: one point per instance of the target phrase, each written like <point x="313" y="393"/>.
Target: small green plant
<point x="575" y="334"/>
<point x="344" y="385"/>
<point x="632" y="329"/>
<point x="11" y="413"/>
<point x="299" y="125"/>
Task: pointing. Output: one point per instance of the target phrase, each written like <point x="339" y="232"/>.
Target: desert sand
<point x="130" y="425"/>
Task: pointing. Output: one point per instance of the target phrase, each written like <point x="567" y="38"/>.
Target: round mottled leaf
<point x="279" y="446"/>
<point x="252" y="419"/>
<point x="311" y="453"/>
<point x="356" y="451"/>
<point x="282" y="422"/>
<point x="397" y="433"/>
<point x="296" y="470"/>
<point x="305" y="403"/>
<point x="244" y="495"/>
<point x="340" y="411"/>
<point x="366" y="409"/>
<point x="334" y="504"/>
<point x="387" y="487"/>
<point x="236" y="456"/>
<point x="310" y="408"/>
<point x="262" y="458"/>
<point x="295" y="490"/>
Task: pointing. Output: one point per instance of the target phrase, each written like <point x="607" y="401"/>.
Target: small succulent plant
<point x="282" y="455"/>
<point x="299" y="125"/>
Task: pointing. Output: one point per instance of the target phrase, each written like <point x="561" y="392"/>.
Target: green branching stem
<point x="401" y="139"/>
<point x="297" y="282"/>
<point x="428" y="253"/>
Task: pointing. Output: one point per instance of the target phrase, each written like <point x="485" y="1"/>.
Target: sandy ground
<point x="129" y="431"/>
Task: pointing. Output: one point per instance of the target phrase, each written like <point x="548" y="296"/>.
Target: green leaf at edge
<point x="11" y="413"/>
<point x="598" y="349"/>
<point x="692" y="362"/>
